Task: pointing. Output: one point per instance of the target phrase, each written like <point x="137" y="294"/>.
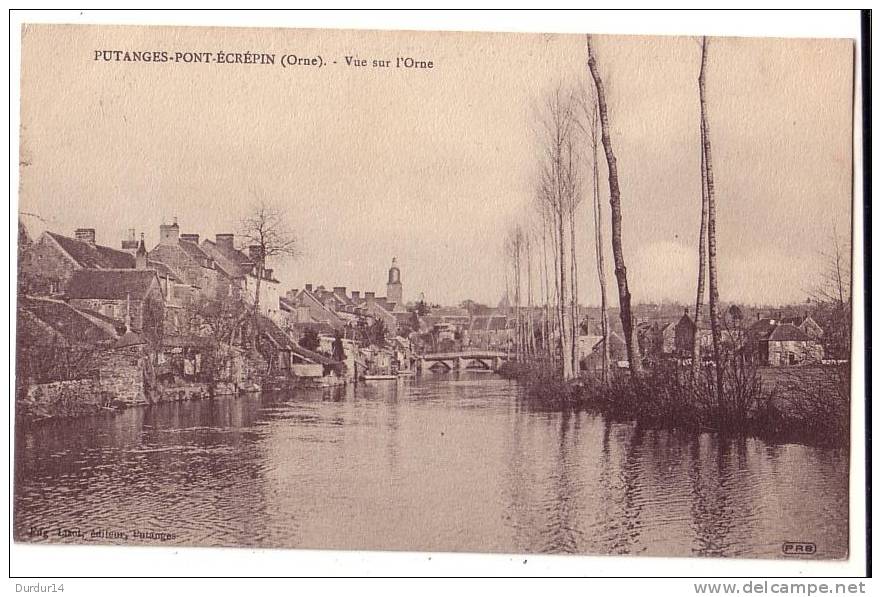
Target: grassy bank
<point x="805" y="404"/>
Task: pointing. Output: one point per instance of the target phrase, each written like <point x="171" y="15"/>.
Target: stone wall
<point x="62" y="399"/>
<point x="123" y="373"/>
<point x="801" y="352"/>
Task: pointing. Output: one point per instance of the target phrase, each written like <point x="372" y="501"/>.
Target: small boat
<point x="379" y="376"/>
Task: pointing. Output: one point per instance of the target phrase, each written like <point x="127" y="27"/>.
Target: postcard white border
<point x="61" y="561"/>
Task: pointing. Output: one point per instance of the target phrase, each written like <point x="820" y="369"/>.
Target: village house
<point x="304" y="307"/>
<point x="772" y="342"/>
<point x="181" y="254"/>
<point x="490" y="332"/>
<point x="129" y="295"/>
<point x="589" y="352"/>
<point x="49" y="262"/>
<point x="240" y="269"/>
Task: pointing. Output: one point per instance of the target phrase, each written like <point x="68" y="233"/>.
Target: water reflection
<point x="442" y="462"/>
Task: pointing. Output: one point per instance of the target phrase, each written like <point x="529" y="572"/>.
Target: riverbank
<point x="809" y="405"/>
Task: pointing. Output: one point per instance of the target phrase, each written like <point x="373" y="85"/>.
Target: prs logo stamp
<point x="799" y="548"/>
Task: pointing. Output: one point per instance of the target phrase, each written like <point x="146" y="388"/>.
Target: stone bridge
<point x="489" y="360"/>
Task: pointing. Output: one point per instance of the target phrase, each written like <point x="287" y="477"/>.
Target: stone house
<point x="239" y="268"/>
<point x="771" y="342"/>
<point x="589" y="351"/>
<point x="181" y="254"/>
<point x="48" y="263"/>
<point x="806" y="324"/>
<point x="131" y="296"/>
<point x="303" y="306"/>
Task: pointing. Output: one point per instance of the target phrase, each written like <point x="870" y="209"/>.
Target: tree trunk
<point x="711" y="230"/>
<point x="598" y="239"/>
<point x="573" y="271"/>
<point x="255" y="333"/>
<point x="702" y="265"/>
<point x="615" y="204"/>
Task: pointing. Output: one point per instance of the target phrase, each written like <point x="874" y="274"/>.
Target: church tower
<point x="394" y="288"/>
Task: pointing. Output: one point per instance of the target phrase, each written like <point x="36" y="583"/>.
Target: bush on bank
<point x="804" y="405"/>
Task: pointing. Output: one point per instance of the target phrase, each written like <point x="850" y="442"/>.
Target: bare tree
<point x="591" y="110"/>
<point x="558" y="191"/>
<point x="702" y="255"/>
<point x="831" y="296"/>
<point x="266" y="230"/>
<point x="715" y="325"/>
<point x="615" y="204"/>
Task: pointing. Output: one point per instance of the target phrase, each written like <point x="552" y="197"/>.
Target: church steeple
<point x="394" y="288"/>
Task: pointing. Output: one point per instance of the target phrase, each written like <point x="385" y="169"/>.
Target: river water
<point x="443" y="462"/>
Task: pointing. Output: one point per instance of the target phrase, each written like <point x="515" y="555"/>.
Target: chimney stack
<point x="291" y="294"/>
<point x="193" y="238"/>
<point x="356" y="295"/>
<point x="86" y="235"/>
<point x="141" y="255"/>
<point x="267" y="273"/>
<point x="169" y="233"/>
<point x="130" y="244"/>
<point x="341" y="290"/>
<point x="225" y="240"/>
<point x="308" y="287"/>
<point x="254" y="253"/>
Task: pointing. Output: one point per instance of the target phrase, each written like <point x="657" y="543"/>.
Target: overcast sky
<point x="430" y="166"/>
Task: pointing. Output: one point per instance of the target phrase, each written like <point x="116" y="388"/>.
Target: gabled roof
<point x="788" y="333"/>
<point x="193" y="250"/>
<point x="313" y="357"/>
<point x="308" y="299"/>
<point x="87" y="255"/>
<point x="116" y="284"/>
<point x="274" y="333"/>
<point x="761" y="329"/>
<point x="234" y="263"/>
<point x="163" y="271"/>
<point x="64" y="320"/>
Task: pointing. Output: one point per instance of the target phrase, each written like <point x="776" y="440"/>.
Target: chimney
<point x="225" y="240"/>
<point x="356" y="295"/>
<point x="169" y="233"/>
<point x="308" y="287"/>
<point x="370" y="297"/>
<point x="291" y="294"/>
<point x="130" y="243"/>
<point x="141" y="255"/>
<point x="86" y="235"/>
<point x="341" y="290"/>
<point x="193" y="238"/>
<point x="254" y="253"/>
<point x="267" y="272"/>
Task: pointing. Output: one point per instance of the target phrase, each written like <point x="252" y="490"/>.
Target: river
<point x="442" y="462"/>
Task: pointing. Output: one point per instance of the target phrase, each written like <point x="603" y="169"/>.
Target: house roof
<point x="116" y="284"/>
<point x="65" y="321"/>
<point x="233" y="262"/>
<point x="762" y="329"/>
<point x="92" y="256"/>
<point x="313" y="357"/>
<point x="274" y="333"/>
<point x="299" y="328"/>
<point x="163" y="271"/>
<point x="788" y="333"/>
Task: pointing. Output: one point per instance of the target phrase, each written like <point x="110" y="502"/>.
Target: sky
<point x="431" y="166"/>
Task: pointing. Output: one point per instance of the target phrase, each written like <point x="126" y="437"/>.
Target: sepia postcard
<point x="512" y="293"/>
